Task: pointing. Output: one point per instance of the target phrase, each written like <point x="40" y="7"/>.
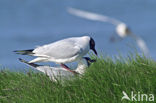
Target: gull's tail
<point x="24" y="52"/>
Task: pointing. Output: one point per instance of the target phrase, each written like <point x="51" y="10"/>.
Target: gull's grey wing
<point x="59" y="50"/>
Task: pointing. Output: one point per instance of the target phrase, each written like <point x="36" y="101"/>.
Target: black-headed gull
<point x="121" y="28"/>
<point x="57" y="73"/>
<point x="62" y="51"/>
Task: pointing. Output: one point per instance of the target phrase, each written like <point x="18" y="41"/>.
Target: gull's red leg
<point x="67" y="68"/>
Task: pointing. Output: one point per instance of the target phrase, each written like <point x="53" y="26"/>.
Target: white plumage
<point x="63" y="51"/>
<point x="59" y="73"/>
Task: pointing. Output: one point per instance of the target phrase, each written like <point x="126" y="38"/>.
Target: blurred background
<point x="25" y="24"/>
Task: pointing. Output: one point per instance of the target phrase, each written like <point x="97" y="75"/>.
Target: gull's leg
<point x="67" y="68"/>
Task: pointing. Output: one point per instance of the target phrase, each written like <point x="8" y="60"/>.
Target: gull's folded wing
<point x="59" y="50"/>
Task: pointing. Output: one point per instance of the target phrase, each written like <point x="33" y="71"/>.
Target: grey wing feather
<point x="59" y="50"/>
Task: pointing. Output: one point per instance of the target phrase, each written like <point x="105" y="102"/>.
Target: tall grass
<point x="103" y="82"/>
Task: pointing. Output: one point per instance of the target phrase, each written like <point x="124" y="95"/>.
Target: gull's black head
<point x="92" y="45"/>
<point x="89" y="61"/>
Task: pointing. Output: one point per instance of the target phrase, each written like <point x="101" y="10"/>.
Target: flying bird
<point x="62" y="51"/>
<point x="121" y="28"/>
<point x="59" y="73"/>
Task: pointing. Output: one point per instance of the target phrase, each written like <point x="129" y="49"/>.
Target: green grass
<point x="103" y="82"/>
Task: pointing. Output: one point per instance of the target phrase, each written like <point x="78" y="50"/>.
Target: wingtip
<point x="21" y="60"/>
<point x="15" y="51"/>
<point x="19" y="53"/>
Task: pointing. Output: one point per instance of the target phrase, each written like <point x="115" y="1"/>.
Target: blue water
<point x="25" y="24"/>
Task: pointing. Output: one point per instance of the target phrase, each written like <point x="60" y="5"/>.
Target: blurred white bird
<point x="59" y="73"/>
<point x="62" y="51"/>
<point x="121" y="28"/>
